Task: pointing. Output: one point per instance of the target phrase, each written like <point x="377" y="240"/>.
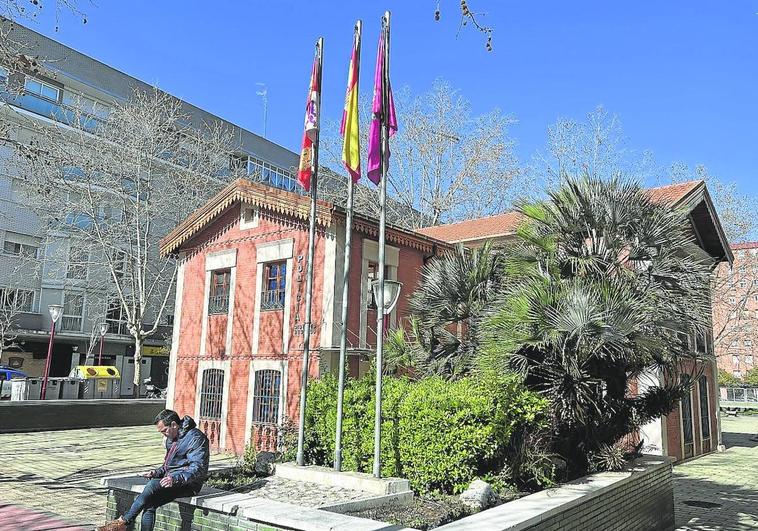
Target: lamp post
<point x="386" y="293"/>
<point x="103" y="330"/>
<point x="56" y="310"/>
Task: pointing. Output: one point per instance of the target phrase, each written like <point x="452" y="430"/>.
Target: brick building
<point x="693" y="427"/>
<point x="236" y="353"/>
<point x="735" y="311"/>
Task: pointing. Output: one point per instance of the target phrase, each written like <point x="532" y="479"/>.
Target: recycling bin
<point x="53" y="390"/>
<point x="26" y="389"/>
<point x="70" y="388"/>
<point x="97" y="381"/>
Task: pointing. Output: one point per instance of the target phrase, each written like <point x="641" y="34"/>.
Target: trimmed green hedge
<point x="438" y="434"/>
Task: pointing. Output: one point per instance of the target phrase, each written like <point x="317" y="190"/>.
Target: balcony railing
<point x="272" y="299"/>
<point x="71" y="324"/>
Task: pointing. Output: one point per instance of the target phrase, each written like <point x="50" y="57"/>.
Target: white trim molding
<point x="175" y="333"/>
<point x="370" y="253"/>
<point x="329" y="291"/>
<point x="248" y="217"/>
<point x="225" y="259"/>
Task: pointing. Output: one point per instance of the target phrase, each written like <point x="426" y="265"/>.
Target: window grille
<point x="689" y="437"/>
<point x="219" y="294"/>
<point x="705" y="425"/>
<point x="275" y="286"/>
<point x="211" y="393"/>
<point x="266" y="398"/>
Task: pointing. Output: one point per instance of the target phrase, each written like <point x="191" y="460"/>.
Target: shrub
<point x="727" y="379"/>
<point x="438" y="434"/>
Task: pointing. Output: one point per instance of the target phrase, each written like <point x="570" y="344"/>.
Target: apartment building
<point x="29" y="284"/>
<point x="735" y="311"/>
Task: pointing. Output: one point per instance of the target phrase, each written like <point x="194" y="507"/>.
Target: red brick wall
<point x="225" y="233"/>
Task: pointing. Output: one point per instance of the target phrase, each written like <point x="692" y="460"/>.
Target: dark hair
<point x="167" y="416"/>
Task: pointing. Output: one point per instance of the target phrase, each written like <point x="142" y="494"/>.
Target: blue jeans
<point x="153" y="497"/>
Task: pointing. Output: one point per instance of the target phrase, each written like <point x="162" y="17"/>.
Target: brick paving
<point x="719" y="492"/>
<point x="59" y="471"/>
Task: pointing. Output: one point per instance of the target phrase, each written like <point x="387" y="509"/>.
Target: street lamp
<point x="391" y="293"/>
<point x="56" y="310"/>
<point x="386" y="293"/>
<point x="103" y="330"/>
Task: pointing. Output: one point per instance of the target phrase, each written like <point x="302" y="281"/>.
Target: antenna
<point x="263" y="93"/>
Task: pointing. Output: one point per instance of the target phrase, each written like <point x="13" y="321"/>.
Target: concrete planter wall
<point x="42" y="415"/>
<point x="640" y="498"/>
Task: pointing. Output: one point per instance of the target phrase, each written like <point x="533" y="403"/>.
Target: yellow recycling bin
<point x="100" y="381"/>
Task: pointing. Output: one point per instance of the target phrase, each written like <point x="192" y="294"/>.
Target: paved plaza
<point x="719" y="492"/>
<point x="59" y="471"/>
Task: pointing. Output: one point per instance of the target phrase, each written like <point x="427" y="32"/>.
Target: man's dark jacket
<point x="188" y="464"/>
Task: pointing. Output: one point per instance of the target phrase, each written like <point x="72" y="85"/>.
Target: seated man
<point x="183" y="473"/>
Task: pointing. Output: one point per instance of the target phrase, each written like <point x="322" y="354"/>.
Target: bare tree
<point x="446" y="164"/>
<point x="13" y="303"/>
<point x="113" y="186"/>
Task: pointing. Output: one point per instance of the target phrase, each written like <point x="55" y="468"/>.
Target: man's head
<point x="167" y="422"/>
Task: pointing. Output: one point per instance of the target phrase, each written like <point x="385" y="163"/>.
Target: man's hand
<point x="149" y="474"/>
<point x="167" y="481"/>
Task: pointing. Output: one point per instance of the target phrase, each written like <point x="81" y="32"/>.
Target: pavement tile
<point x="725" y="483"/>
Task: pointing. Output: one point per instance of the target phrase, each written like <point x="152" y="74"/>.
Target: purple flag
<point x="375" y="131"/>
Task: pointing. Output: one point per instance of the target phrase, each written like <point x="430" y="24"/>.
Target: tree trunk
<point x="137" y="365"/>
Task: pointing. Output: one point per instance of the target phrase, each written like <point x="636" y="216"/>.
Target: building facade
<point x="36" y="273"/>
<point x="735" y="311"/>
<point x="237" y="347"/>
<point x="693" y="428"/>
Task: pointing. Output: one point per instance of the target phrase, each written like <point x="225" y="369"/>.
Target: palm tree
<point x="603" y="286"/>
<point x="447" y="308"/>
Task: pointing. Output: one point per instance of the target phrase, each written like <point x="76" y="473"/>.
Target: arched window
<point x="211" y="394"/>
<point x="266" y="398"/>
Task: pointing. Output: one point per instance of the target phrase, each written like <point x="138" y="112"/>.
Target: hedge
<point x="438" y="434"/>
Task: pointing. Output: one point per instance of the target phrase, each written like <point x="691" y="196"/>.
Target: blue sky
<point x="682" y="75"/>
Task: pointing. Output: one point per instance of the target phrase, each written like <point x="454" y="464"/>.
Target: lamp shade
<point x="103" y="328"/>
<point x="56" y="310"/>
<point x="391" y="293"/>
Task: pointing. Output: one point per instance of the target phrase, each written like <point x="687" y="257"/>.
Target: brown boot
<point x="115" y="525"/>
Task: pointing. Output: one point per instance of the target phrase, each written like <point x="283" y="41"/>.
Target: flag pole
<point x="309" y="271"/>
<point x="382" y="223"/>
<point x="345" y="286"/>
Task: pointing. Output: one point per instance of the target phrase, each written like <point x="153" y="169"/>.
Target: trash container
<point x="53" y="390"/>
<point x="26" y="388"/>
<point x="70" y="388"/>
<point x="97" y="381"/>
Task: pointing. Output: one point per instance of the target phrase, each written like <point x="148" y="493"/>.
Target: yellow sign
<point x="154" y="351"/>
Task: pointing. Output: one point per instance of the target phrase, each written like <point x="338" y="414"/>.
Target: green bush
<point x="438" y="434"/>
<point x="727" y="379"/>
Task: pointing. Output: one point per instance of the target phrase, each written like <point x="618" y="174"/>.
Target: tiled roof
<point x="672" y="193"/>
<point x="506" y="224"/>
<point x="744" y="245"/>
<point x="475" y="229"/>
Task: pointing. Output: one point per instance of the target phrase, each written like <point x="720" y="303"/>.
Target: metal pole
<point x="100" y="356"/>
<point x="309" y="271"/>
<point x="382" y="223"/>
<point x="345" y="298"/>
<point x="47" y="362"/>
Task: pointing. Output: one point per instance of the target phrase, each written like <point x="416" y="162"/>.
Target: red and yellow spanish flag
<point x="349" y="129"/>
<point x="310" y="133"/>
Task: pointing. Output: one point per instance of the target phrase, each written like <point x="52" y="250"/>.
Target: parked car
<point x="6" y="375"/>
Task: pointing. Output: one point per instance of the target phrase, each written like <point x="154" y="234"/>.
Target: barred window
<point x="705" y="424"/>
<point x="275" y="286"/>
<point x="219" y="294"/>
<point x="211" y="393"/>
<point x="266" y="398"/>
